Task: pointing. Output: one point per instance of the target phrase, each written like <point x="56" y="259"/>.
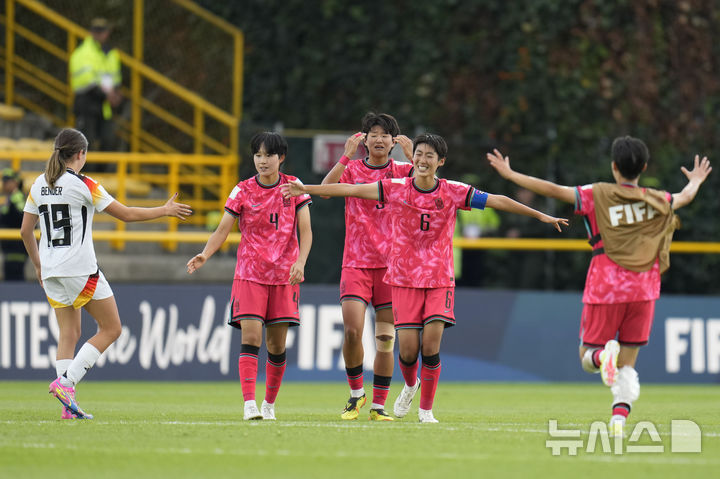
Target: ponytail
<point x="54" y="169"/>
<point x="68" y="143"/>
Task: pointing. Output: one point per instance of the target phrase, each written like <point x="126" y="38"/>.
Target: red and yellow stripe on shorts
<point x="88" y="291"/>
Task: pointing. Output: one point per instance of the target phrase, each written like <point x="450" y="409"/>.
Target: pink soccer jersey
<point x="268" y="223"/>
<point x="607" y="282"/>
<point x="423" y="223"/>
<point x="367" y="227"/>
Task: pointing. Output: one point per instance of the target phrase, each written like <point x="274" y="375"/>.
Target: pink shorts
<point x="366" y="285"/>
<point x="413" y="308"/>
<point x="269" y="303"/>
<point x="630" y="322"/>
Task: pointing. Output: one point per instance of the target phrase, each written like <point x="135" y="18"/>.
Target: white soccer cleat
<point x="251" y="411"/>
<point x="608" y="362"/>
<point x="426" y="415"/>
<point x="268" y="411"/>
<point x="404" y="400"/>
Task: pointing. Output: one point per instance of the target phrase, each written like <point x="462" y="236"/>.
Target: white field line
<point x="522" y="428"/>
<point x="173" y="451"/>
<point x="325" y="454"/>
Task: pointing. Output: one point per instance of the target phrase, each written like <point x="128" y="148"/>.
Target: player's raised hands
<point x="195" y="263"/>
<point x="701" y="169"/>
<point x="406" y="144"/>
<point x="500" y="163"/>
<point x="554" y="221"/>
<point x="292" y="188"/>
<point x="178" y="210"/>
<point x="352" y="143"/>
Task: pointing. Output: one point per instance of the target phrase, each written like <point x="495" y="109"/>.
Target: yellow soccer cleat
<point x="379" y="415"/>
<point x="352" y="408"/>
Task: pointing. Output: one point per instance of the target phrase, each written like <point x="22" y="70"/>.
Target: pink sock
<point x="247" y="367"/>
<point x="596" y="357"/>
<point x="274" y="371"/>
<point x="381" y="388"/>
<point x="621" y="409"/>
<point x="355" y="377"/>
<point x="429" y="375"/>
<point x="409" y="372"/>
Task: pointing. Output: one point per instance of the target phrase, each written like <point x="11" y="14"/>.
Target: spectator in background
<point x="11" y="215"/>
<point x="95" y="79"/>
<point x="472" y="224"/>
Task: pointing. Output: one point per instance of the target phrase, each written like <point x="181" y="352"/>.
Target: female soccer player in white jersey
<point x="420" y="264"/>
<point x="270" y="267"/>
<point x="65" y="262"/>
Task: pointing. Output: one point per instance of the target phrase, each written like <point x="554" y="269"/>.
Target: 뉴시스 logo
<point x="685" y="436"/>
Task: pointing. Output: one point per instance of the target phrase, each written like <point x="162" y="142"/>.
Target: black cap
<point x="99" y="25"/>
<point x="10" y="174"/>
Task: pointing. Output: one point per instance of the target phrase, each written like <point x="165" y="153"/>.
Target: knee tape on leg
<point x="587" y="362"/>
<point x="627" y="386"/>
<point x="383" y="331"/>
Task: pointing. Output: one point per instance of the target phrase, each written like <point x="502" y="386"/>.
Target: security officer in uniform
<point x="95" y="80"/>
<point x="11" y="216"/>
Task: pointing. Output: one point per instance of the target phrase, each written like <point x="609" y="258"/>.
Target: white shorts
<point x="76" y="291"/>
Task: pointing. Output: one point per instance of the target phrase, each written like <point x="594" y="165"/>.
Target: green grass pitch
<point x="146" y="429"/>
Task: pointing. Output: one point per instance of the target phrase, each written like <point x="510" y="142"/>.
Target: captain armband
<point x="478" y="200"/>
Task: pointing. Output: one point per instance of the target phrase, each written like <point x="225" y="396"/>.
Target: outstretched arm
<point x="135" y="213"/>
<point x="695" y="177"/>
<point x="542" y="187"/>
<point x="503" y="203"/>
<point x="367" y="191"/>
<point x="297" y="270"/>
<point x="351" y="146"/>
<point x="213" y="244"/>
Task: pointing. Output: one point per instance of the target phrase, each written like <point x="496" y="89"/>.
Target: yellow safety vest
<point x="89" y="64"/>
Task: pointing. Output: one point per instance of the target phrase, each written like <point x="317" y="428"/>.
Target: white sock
<point x="377" y="406"/>
<point x="617" y="418"/>
<point x="356" y="393"/>
<point x="587" y="362"/>
<point x="249" y="402"/>
<point x="84" y="360"/>
<point x="62" y="365"/>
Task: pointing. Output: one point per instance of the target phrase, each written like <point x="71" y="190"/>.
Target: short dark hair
<point x="274" y="143"/>
<point x="383" y="120"/>
<point x="436" y="141"/>
<point x="630" y="156"/>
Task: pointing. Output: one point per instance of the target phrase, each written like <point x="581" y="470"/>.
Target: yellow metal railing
<point x="200" y="178"/>
<point x="529" y="244"/>
<point x="17" y="68"/>
<point x="694" y="247"/>
<point x="170" y="179"/>
<point x="140" y="236"/>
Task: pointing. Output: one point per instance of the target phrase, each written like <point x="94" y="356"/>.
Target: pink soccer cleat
<point x="66" y="414"/>
<point x="61" y="393"/>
